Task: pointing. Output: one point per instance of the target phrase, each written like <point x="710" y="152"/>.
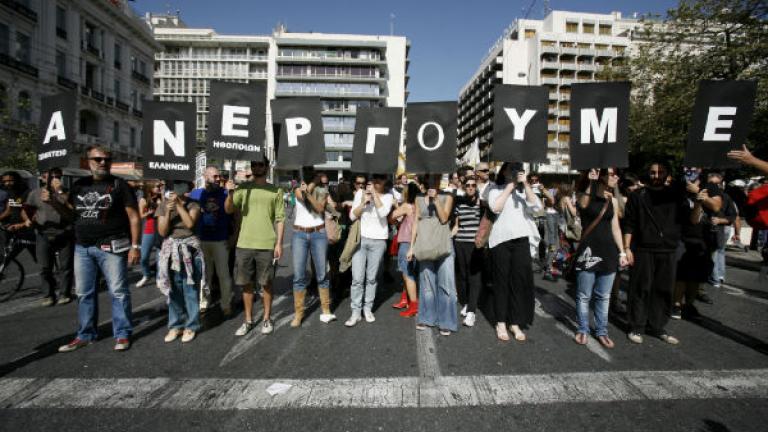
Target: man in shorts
<point x="259" y="243"/>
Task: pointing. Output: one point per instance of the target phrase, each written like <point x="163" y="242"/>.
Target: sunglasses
<point x="483" y="170"/>
<point x="470" y="185"/>
<point x="55" y="177"/>
<point x="100" y="159"/>
<point x="359" y="183"/>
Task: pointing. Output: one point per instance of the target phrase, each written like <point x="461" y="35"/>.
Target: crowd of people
<point x="474" y="245"/>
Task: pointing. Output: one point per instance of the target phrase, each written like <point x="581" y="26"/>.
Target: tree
<point x="699" y="40"/>
<point x="18" y="140"/>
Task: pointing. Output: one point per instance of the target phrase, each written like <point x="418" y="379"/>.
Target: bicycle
<point x="12" y="273"/>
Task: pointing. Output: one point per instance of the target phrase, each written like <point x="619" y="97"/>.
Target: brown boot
<point x="298" y="307"/>
<point x="325" y="304"/>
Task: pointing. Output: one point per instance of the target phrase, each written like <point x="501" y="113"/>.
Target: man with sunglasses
<point x="107" y="231"/>
<point x="259" y="243"/>
<point x="54" y="234"/>
<point x="213" y="229"/>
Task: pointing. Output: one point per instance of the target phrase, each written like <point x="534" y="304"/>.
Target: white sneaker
<point x="266" y="327"/>
<point x="354" y="319"/>
<point x="143" y="281"/>
<point x="326" y="318"/>
<point x="369" y="316"/>
<point x="244" y="329"/>
<point x="469" y="321"/>
<point x="464" y="311"/>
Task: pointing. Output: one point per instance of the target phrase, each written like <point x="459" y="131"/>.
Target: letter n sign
<point x="377" y="140"/>
<point x="431" y="137"/>
<point x="169" y="140"/>
<point x="720" y="122"/>
<point x="599" y="128"/>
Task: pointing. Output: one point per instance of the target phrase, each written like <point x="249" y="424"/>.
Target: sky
<point x="449" y="38"/>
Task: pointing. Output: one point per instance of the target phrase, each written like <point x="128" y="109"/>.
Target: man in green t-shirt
<point x="259" y="244"/>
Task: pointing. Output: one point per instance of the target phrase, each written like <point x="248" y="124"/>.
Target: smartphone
<point x="691" y="175"/>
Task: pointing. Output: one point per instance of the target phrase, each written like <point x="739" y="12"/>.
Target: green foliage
<point x="18" y="140"/>
<point x="699" y="40"/>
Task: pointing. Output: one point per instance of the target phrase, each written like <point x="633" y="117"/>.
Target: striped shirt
<point x="469" y="219"/>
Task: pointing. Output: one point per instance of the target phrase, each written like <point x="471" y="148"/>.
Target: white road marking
<point x="592" y="345"/>
<point x="738" y="292"/>
<point x="394" y="392"/>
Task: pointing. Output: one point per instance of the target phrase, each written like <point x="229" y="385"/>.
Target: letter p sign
<point x="296" y="127"/>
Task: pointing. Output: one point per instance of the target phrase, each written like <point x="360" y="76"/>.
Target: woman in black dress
<point x="599" y="255"/>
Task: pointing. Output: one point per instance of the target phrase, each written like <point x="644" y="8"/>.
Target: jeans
<point x="216" y="254"/>
<point x="365" y="268"/>
<point x="591" y="285"/>
<point x="89" y="263"/>
<point x="148" y="241"/>
<point x="47" y="246"/>
<point x="184" y="297"/>
<point x="437" y="294"/>
<point x="718" y="271"/>
<point x="301" y="244"/>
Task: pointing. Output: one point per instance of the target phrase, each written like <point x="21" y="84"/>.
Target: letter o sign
<point x="440" y="136"/>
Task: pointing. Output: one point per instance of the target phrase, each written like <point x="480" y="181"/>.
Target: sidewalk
<point x="749" y="260"/>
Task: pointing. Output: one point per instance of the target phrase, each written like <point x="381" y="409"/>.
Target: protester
<point x="747" y="158"/>
<point x="107" y="230"/>
<point x="259" y="243"/>
<point x="310" y="239"/>
<point x="153" y="195"/>
<point x="406" y="212"/>
<point x="515" y="203"/>
<point x="180" y="264"/>
<point x="652" y="232"/>
<point x="469" y="258"/>
<point x="11" y="219"/>
<point x="371" y="206"/>
<point x="551" y="232"/>
<point x="720" y="223"/>
<point x="437" y="284"/>
<point x="53" y="235"/>
<point x="482" y="174"/>
<point x="599" y="255"/>
<point x="214" y="229"/>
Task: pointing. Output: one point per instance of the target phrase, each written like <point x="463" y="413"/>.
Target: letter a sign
<point x="57" y="131"/>
<point x="430" y="143"/>
<point x="298" y="130"/>
<point x="169" y="140"/>
<point x="377" y="140"/>
<point x="519" y="123"/>
<point x="599" y="130"/>
<point x="720" y="122"/>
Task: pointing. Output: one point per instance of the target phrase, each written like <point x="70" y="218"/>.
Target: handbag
<point x="573" y="227"/>
<point x="332" y="229"/>
<point x="570" y="271"/>
<point x="433" y="239"/>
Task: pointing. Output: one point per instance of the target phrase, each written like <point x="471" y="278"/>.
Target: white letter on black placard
<point x="295" y="127"/>
<point x="440" y="136"/>
<point x="714" y="123"/>
<point x="228" y="120"/>
<point x="164" y="135"/>
<point x="370" y="141"/>
<point x="55" y="128"/>
<point x="519" y="122"/>
<point x="605" y="125"/>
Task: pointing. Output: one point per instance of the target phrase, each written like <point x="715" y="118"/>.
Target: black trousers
<point x="469" y="273"/>
<point x="651" y="285"/>
<point x="513" y="282"/>
<point x="47" y="246"/>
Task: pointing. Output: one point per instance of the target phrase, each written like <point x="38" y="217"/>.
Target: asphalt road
<point x="385" y="375"/>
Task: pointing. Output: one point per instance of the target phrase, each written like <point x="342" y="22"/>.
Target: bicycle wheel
<point x="11" y="278"/>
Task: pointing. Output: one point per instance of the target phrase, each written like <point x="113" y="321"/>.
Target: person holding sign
<point x="180" y="264"/>
<point x="309" y="235"/>
<point x="259" y="244"/>
<point x="371" y="205"/>
<point x="107" y="232"/>
<point x="515" y="203"/>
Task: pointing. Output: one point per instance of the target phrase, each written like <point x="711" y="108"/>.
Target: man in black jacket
<point x="651" y="236"/>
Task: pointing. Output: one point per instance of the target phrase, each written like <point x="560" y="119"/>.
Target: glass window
<point x="61" y="22"/>
<point x="588" y="28"/>
<point x="61" y="63"/>
<point x="25" y="107"/>
<point x="118" y="56"/>
<point x="117" y="89"/>
<point x="4" y="39"/>
<point x="116" y="132"/>
<point x="571" y="27"/>
<point x="133" y="137"/>
<point x="22" y="48"/>
<point x="605" y="29"/>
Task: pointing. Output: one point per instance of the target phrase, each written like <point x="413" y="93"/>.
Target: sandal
<point x="605" y="341"/>
<point x="501" y="332"/>
<point x="519" y="335"/>
<point x="580" y="339"/>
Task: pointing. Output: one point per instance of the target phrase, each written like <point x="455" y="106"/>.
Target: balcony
<point x="327" y="59"/>
<point x="20" y="66"/>
<point x="569" y="50"/>
<point x="549" y="80"/>
<point x="552" y="127"/>
<point x="565" y="96"/>
<point x="110" y="101"/>
<point x="66" y="82"/>
<point x="605" y="53"/>
<point x="138" y="113"/>
<point x="587" y="67"/>
<point x="564" y="112"/>
<point x="328" y="93"/>
<point x="549" y="49"/>
<point x="211" y="57"/>
<point x="566" y="81"/>
<point x="122" y="105"/>
<point x="329" y="77"/>
<point x="20" y="9"/>
<point x="550" y="64"/>
<point x="91" y="49"/>
<point x="60" y="32"/>
<point x="140" y="77"/>
<point x="97" y="95"/>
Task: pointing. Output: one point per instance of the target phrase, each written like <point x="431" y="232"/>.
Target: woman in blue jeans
<point x="437" y="283"/>
<point x="600" y="253"/>
<point x="180" y="266"/>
